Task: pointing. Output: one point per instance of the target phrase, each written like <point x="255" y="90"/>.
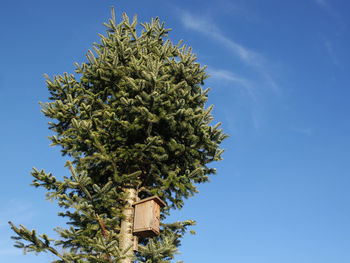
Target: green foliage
<point x="132" y="116"/>
<point x="159" y="251"/>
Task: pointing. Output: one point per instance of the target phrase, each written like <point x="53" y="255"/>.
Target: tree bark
<point x="126" y="239"/>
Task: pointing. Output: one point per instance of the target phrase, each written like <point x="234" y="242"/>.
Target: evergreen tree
<point x="133" y="121"/>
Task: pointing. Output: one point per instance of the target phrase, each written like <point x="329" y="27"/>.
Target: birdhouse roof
<point x="159" y="201"/>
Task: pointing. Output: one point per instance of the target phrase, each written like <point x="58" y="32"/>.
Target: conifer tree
<point x="133" y="121"/>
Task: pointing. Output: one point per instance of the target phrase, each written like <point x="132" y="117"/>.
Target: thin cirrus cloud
<point x="331" y="52"/>
<point x="325" y="5"/>
<point x="304" y="131"/>
<point x="256" y="67"/>
<point x="203" y="26"/>
<point x="225" y="75"/>
<point x="322" y="3"/>
<point x="248" y="57"/>
<point x="255" y="105"/>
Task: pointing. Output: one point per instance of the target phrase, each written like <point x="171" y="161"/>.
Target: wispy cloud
<point x="249" y="57"/>
<point x="253" y="104"/>
<point x="225" y="75"/>
<point x="331" y="52"/>
<point x="203" y="26"/>
<point x="259" y="83"/>
<point x="304" y="131"/>
<point x="326" y="6"/>
<point x="322" y="3"/>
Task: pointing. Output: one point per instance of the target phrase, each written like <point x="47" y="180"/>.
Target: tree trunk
<point x="126" y="239"/>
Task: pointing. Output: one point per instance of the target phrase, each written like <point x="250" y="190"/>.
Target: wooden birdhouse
<point x="147" y="216"/>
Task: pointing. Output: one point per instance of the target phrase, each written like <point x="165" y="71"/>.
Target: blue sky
<point x="279" y="82"/>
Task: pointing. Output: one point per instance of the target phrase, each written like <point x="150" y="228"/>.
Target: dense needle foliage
<point x="132" y="116"/>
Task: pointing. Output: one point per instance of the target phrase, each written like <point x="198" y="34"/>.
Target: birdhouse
<point x="147" y="216"/>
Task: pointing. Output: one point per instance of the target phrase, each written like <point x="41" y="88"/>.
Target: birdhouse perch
<point x="147" y="216"/>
